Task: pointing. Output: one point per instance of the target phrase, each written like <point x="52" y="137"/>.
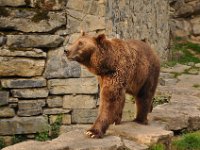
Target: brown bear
<point x="122" y="66"/>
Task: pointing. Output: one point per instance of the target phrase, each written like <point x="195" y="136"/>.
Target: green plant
<point x="19" y="138"/>
<point x="189" y="141"/>
<point x="42" y="136"/>
<point x="2" y="143"/>
<point x="157" y="147"/>
<point x="196" y="85"/>
<point x="55" y="127"/>
<point x="161" y="99"/>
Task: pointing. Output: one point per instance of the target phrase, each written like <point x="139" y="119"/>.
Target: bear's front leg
<point x="112" y="98"/>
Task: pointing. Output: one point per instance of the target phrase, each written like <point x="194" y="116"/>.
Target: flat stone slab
<point x="75" y="140"/>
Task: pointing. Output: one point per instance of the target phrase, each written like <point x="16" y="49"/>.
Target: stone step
<point x="128" y="135"/>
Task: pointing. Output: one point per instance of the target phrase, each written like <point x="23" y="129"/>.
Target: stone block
<point x="84" y="115"/>
<point x="66" y="68"/>
<point x="25" y="67"/>
<point x="55" y="111"/>
<point x="24" y="52"/>
<point x="79" y="101"/>
<point x="86" y="73"/>
<point x="23" y="125"/>
<point x="30" y="107"/>
<point x="37" y="41"/>
<point x="32" y="21"/>
<point x="23" y="83"/>
<point x="30" y="93"/>
<point x="12" y="3"/>
<point x="55" y="101"/>
<point x="4" y="98"/>
<point x="2" y="40"/>
<point x="6" y="112"/>
<point x="66" y="119"/>
<point x="73" y="86"/>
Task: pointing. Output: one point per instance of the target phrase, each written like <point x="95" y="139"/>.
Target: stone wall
<point x="185" y="19"/>
<point x="37" y="81"/>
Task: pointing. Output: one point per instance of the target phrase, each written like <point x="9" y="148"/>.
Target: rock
<point x="73" y="86"/>
<point x="76" y="5"/>
<point x="30" y="93"/>
<point x="134" y="146"/>
<point x="6" y="112"/>
<point x="30" y="107"/>
<point x="72" y="140"/>
<point x="79" y="101"/>
<point x="13" y="100"/>
<point x="193" y="71"/>
<point x="65" y="128"/>
<point x="86" y="73"/>
<point x="197" y="65"/>
<point x="55" y="101"/>
<point x="185" y="11"/>
<point x="166" y="82"/>
<point x="178" y="68"/>
<point x="8" y="140"/>
<point x="195" y="25"/>
<point x="12" y="3"/>
<point x="144" y="134"/>
<point x="48" y="4"/>
<point x="23" y="125"/>
<point x="23" y="83"/>
<point x="66" y="119"/>
<point x="24" y="67"/>
<point x="2" y="40"/>
<point x="4" y="98"/>
<point x="37" y="41"/>
<point x="84" y="115"/>
<point x="28" y="52"/>
<point x="66" y="68"/>
<point x="32" y="21"/>
<point x="55" y="111"/>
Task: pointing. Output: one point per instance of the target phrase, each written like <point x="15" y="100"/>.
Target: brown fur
<point x="129" y="66"/>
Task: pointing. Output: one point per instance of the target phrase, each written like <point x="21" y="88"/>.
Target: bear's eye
<point x="80" y="43"/>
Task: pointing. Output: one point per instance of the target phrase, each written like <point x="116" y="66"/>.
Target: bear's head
<point x="85" y="46"/>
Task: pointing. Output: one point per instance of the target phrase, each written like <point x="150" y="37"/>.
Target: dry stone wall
<point x="37" y="82"/>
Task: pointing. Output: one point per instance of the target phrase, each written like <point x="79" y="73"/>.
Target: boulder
<point x="73" y="86"/>
<point x="79" y="101"/>
<point x="30" y="93"/>
<point x="23" y="83"/>
<point x="24" y="67"/>
<point x="66" y="68"/>
<point x="23" y="125"/>
<point x="40" y="41"/>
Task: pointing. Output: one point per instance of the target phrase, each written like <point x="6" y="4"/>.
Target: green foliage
<point x="42" y="136"/>
<point x="196" y="85"/>
<point x="55" y="127"/>
<point x="157" y="147"/>
<point x="183" y="51"/>
<point x="19" y="138"/>
<point x="2" y="143"/>
<point x="190" y="141"/>
<point x="161" y="99"/>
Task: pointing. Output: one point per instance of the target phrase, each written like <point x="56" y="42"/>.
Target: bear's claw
<point x="94" y="134"/>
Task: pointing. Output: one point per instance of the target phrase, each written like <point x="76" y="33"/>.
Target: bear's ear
<point x="101" y="41"/>
<point x="82" y="33"/>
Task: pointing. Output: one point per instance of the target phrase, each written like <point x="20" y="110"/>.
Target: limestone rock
<point x="23" y="125"/>
<point x="73" y="86"/>
<point x="4" y="98"/>
<point x="178" y="68"/>
<point x="6" y="112"/>
<point x="196" y="25"/>
<point x="66" y="119"/>
<point x="30" y="93"/>
<point x="32" y="21"/>
<point x="30" y="107"/>
<point x="41" y="41"/>
<point x="86" y="73"/>
<point x="23" y="83"/>
<point x="79" y="101"/>
<point x="38" y="53"/>
<point x="2" y="40"/>
<point x="48" y="4"/>
<point x="12" y="3"/>
<point x="165" y="82"/>
<point x="66" y="68"/>
<point x="55" y="111"/>
<point x="24" y="67"/>
<point x="84" y="115"/>
<point x="55" y="101"/>
<point x="143" y="134"/>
